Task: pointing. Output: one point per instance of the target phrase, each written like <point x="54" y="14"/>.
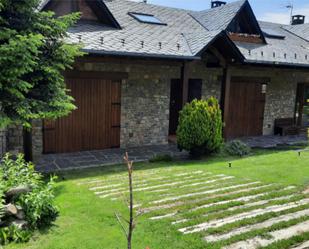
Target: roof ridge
<point x="151" y="4"/>
<point x="223" y="6"/>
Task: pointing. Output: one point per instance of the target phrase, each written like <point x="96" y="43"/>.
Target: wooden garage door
<point x="94" y="125"/>
<point x="245" y="110"/>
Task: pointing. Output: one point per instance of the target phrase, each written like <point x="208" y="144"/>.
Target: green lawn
<point x="88" y="222"/>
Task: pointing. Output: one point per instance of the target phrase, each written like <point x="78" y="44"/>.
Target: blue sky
<point x="267" y="10"/>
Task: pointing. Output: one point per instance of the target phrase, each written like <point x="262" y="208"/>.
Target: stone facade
<point x="146" y="98"/>
<point x="281" y="92"/>
<point x="144" y="101"/>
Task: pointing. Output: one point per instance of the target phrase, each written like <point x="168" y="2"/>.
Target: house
<point x="145" y="61"/>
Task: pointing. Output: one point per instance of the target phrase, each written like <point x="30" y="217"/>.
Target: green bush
<point x="161" y="158"/>
<point x="200" y="127"/>
<point x="38" y="204"/>
<point x="237" y="148"/>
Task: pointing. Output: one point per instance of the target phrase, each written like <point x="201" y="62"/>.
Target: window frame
<point x="134" y="15"/>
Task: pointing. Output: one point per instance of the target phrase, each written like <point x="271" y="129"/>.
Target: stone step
<point x="239" y="217"/>
<point x="304" y="245"/>
<point x="265" y="224"/>
<point x="275" y="236"/>
<point x="204" y="192"/>
<point x="181" y="203"/>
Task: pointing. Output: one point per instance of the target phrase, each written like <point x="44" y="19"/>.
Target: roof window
<point x="146" y="18"/>
<point x="271" y="33"/>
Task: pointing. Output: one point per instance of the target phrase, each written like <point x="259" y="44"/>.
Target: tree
<point x="33" y="56"/>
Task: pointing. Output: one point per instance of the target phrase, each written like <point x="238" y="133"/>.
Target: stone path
<point x="87" y="159"/>
<point x="225" y="211"/>
<point x="274" y="141"/>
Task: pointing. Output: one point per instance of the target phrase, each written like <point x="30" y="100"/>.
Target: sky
<point x="265" y="10"/>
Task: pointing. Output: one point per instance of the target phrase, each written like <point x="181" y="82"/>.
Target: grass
<point x="88" y="222"/>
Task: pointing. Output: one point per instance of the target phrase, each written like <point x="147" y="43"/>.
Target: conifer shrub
<point x="200" y="127"/>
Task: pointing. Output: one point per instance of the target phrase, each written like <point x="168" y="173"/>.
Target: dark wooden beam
<point x="96" y="75"/>
<point x="128" y="60"/>
<point x="226" y="95"/>
<point x="185" y="82"/>
<point x="220" y="57"/>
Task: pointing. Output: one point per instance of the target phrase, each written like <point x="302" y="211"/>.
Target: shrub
<point x="200" y="127"/>
<point x="36" y="203"/>
<point x="161" y="158"/>
<point x="237" y="148"/>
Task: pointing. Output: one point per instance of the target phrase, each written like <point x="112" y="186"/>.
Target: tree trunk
<point x="131" y="223"/>
<point x="27" y="137"/>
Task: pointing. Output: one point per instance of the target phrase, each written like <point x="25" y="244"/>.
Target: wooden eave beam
<point x="221" y="58"/>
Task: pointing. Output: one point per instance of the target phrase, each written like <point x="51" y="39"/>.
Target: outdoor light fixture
<point x="264" y="88"/>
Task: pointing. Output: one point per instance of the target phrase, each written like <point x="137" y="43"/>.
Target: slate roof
<point x="186" y="34"/>
<point x="292" y="50"/>
<point x="183" y="36"/>
<point x="218" y="18"/>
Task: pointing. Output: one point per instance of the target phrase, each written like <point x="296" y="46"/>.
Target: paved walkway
<point x="88" y="159"/>
<point x="274" y="141"/>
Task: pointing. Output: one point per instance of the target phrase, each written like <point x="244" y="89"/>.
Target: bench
<point x="286" y="126"/>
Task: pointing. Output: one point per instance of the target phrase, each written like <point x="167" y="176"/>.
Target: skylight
<point x="271" y="33"/>
<point x="146" y="18"/>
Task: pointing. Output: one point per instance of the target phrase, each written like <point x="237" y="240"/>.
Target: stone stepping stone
<point x="275" y="236"/>
<point x="204" y="192"/>
<point x="265" y="224"/>
<point x="244" y="199"/>
<point x="239" y="217"/>
<point x="305" y="245"/>
<point x="262" y="202"/>
<point x="181" y="203"/>
<point x="113" y="192"/>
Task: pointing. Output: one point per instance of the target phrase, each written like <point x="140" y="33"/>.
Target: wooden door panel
<point x="246" y="110"/>
<point x="94" y="125"/>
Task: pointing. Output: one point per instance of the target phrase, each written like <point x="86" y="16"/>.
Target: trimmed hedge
<point x="200" y="127"/>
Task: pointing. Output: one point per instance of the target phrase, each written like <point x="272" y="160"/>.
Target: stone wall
<point x="2" y="141"/>
<point x="212" y="80"/>
<point x="15" y="139"/>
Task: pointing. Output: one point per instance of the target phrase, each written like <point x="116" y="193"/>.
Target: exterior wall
<point x="144" y="101"/>
<point x="281" y="92"/>
<point x="146" y="97"/>
<point x="212" y="80"/>
<point x="15" y="139"/>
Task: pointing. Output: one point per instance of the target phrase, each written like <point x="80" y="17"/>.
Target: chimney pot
<point x="298" y="19"/>
<point x="215" y="4"/>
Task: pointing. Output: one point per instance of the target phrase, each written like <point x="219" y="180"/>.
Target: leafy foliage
<point x="200" y="127"/>
<point x="13" y="234"/>
<point x="237" y="148"/>
<point x="161" y="158"/>
<point x="33" y="56"/>
<point x="38" y="205"/>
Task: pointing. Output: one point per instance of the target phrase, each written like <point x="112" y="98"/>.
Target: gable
<point x="244" y="27"/>
<point x="91" y="10"/>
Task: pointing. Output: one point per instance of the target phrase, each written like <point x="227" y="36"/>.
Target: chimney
<point x="298" y="19"/>
<point x="215" y="4"/>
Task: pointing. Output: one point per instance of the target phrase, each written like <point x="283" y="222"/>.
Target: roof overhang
<point x="276" y="64"/>
<point x="140" y="55"/>
<point x="233" y="49"/>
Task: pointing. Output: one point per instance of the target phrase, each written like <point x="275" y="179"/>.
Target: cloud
<point x="284" y="17"/>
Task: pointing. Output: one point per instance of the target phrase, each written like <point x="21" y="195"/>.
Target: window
<point x="146" y="18"/>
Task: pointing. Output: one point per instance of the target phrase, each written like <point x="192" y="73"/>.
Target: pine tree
<point x="33" y="56"/>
